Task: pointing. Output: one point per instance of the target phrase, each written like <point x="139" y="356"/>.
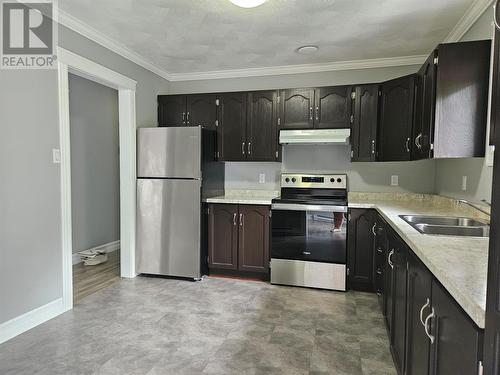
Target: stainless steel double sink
<point x="448" y="226"/>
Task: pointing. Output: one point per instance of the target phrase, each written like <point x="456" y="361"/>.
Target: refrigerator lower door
<point x="168" y="227"/>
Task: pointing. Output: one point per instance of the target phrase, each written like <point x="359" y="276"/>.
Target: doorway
<point x="69" y="62"/>
<point x="95" y="185"/>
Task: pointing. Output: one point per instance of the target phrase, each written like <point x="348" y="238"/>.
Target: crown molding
<point x="472" y="14"/>
<point x="98" y="37"/>
<point x="303" y="68"/>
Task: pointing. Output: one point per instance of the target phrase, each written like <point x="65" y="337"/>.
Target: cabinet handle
<point x="249" y="148"/>
<point x="408" y="144"/>
<point x="373" y="229"/>
<point x="495" y="19"/>
<point x="187" y="118"/>
<point x="427" y="303"/>
<point x="379" y="250"/>
<point x="373" y="146"/>
<point x="241" y="220"/>
<point x="426" y="326"/>
<point x="389" y="258"/>
<point x="417" y="141"/>
<point x="183" y="118"/>
<point x="234" y="219"/>
<point x="243" y="148"/>
<point x="310" y="113"/>
<point x="317" y="113"/>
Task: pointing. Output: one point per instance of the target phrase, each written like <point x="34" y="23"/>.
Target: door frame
<point x="70" y="62"/>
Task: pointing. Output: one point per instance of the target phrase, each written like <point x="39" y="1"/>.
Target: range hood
<point x="315" y="136"/>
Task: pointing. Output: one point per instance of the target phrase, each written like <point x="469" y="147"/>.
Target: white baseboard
<point x="31" y="319"/>
<point x="108" y="247"/>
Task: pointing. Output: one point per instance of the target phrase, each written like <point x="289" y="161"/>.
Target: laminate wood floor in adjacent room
<point x="89" y="279"/>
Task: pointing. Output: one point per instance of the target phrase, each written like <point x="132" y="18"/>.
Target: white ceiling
<point x="185" y="36"/>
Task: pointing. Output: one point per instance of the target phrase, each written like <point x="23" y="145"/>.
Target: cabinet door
<point x="333" y="107"/>
<point x="396" y="119"/>
<point x="399" y="318"/>
<point x="456" y="348"/>
<point x="495" y="90"/>
<point x="171" y="110"/>
<point x="361" y="232"/>
<point x="297" y="107"/>
<point x="425" y="109"/>
<point x="364" y="127"/>
<point x="419" y="301"/>
<point x="262" y="126"/>
<point x="223" y="236"/>
<point x="253" y="250"/>
<point x="380" y="259"/>
<point x="232" y="126"/>
<point x="201" y="110"/>
<point x="389" y="284"/>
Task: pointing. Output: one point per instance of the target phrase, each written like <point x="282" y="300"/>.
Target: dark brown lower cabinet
<point x="238" y="237"/>
<point x="398" y="333"/>
<point x="456" y="344"/>
<point x="253" y="249"/>
<point x="361" y="234"/>
<point x="223" y="236"/>
<point x="419" y="307"/>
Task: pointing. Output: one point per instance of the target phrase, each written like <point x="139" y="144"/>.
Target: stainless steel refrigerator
<point x="176" y="170"/>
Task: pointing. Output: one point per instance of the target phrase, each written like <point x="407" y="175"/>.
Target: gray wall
<point x="30" y="212"/>
<point x="449" y="172"/>
<point x="95" y="163"/>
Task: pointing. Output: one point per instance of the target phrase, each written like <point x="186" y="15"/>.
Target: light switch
<point x="56" y="156"/>
<point x="395" y="180"/>
<point x="262" y="178"/>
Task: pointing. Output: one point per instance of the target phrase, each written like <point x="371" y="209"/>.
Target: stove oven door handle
<point x="308" y="207"/>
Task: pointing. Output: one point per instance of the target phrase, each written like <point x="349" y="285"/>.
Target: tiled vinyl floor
<point x="217" y="326"/>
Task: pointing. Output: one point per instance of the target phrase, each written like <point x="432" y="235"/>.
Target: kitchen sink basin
<point x="443" y="220"/>
<point x="448" y="226"/>
<point x="482" y="231"/>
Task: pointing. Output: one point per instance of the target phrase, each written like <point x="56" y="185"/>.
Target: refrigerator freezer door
<point x="168" y="227"/>
<point x="169" y="152"/>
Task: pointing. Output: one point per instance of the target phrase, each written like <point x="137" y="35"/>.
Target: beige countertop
<point x="260" y="197"/>
<point x="459" y="263"/>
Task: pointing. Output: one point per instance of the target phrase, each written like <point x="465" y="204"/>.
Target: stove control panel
<point x="318" y="181"/>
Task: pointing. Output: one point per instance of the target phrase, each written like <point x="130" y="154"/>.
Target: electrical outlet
<point x="262" y="178"/>
<point x="464" y="183"/>
<point x="395" y="180"/>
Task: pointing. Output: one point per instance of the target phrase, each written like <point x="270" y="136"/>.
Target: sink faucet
<point x="474" y="206"/>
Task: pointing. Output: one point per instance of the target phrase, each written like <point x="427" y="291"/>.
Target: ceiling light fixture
<point x="248" y="3"/>
<point x="307" y="50"/>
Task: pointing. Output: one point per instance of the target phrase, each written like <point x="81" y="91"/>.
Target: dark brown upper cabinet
<point x="232" y="126"/>
<point x="261" y="129"/>
<point x="332" y="107"/>
<point x="297" y="109"/>
<point x="396" y="119"/>
<point x="223" y="236"/>
<point x="360" y="249"/>
<point x="187" y="110"/>
<point x="425" y="99"/>
<point x="201" y="110"/>
<point x="364" y="127"/>
<point x="320" y="108"/>
<point x="171" y="110"/>
<point x="453" y="101"/>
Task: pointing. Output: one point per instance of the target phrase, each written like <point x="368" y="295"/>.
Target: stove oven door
<point x="309" y="245"/>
